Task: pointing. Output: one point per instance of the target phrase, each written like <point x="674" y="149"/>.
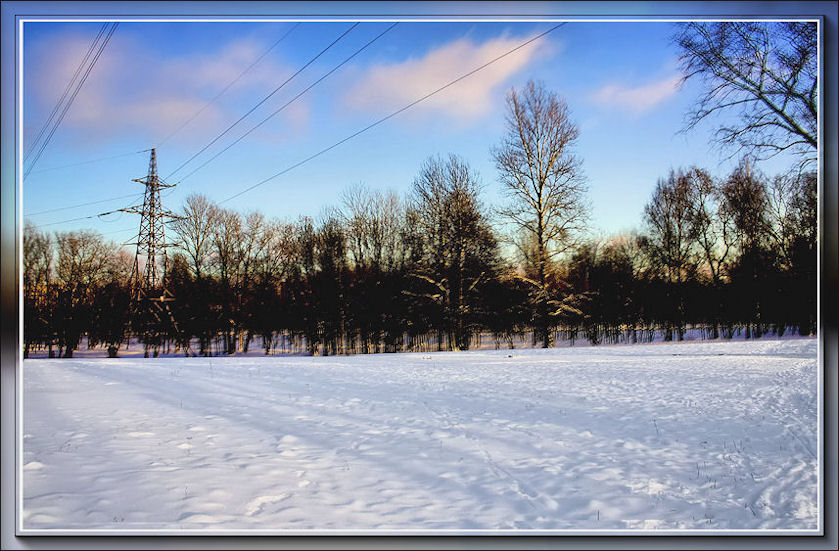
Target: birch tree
<point x="544" y="182"/>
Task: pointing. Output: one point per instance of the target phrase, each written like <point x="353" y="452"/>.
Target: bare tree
<point x="373" y="222"/>
<point x="712" y="229"/>
<point x="252" y="244"/>
<point x="37" y="259"/>
<point x="670" y="241"/>
<point x="274" y="252"/>
<point x="802" y="227"/>
<point x="83" y="258"/>
<point x="111" y="305"/>
<point x="227" y="236"/>
<point x="543" y="180"/>
<point x="251" y="250"/>
<point x="766" y="73"/>
<point x="329" y="284"/>
<point x="711" y="224"/>
<point x="272" y="260"/>
<point x="459" y="248"/>
<point x="746" y="200"/>
<point x="357" y="216"/>
<point x="83" y="262"/>
<point x="37" y="286"/>
<point x="803" y="210"/>
<point x="195" y="230"/>
<point x="792" y="208"/>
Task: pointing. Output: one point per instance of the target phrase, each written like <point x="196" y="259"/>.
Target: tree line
<point x="385" y="274"/>
<point x="438" y="269"/>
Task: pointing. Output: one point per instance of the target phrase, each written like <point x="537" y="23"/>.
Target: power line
<point x="90" y="161"/>
<point x="77" y="219"/>
<point x="77" y="205"/>
<point x="365" y="129"/>
<point x="72" y="97"/>
<point x="101" y="214"/>
<point x="383" y="119"/>
<point x="66" y="91"/>
<point x="120" y="231"/>
<point x="292" y="100"/>
<point x="234" y="81"/>
<point x="277" y="89"/>
<point x="83" y="204"/>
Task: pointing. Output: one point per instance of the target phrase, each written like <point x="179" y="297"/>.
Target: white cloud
<point x="389" y="86"/>
<point x="132" y="91"/>
<point x="639" y="99"/>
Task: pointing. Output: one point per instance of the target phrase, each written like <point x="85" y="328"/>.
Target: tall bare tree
<point x="37" y="259"/>
<point x="792" y="213"/>
<point x="273" y="258"/>
<point x="227" y="237"/>
<point x="195" y="230"/>
<point x="37" y="285"/>
<point x="329" y="285"/>
<point x="764" y="73"/>
<point x="544" y="181"/>
<point x="712" y="228"/>
<point x="711" y="223"/>
<point x="746" y="198"/>
<point x="83" y="262"/>
<point x="671" y="239"/>
<point x="460" y="252"/>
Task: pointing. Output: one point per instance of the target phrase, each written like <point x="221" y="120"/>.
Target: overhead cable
<point x="90" y="161"/>
<point x="383" y="119"/>
<point x="101" y="214"/>
<point x="263" y="100"/>
<point x="133" y="195"/>
<point x="69" y="102"/>
<point x="67" y="88"/>
<point x="231" y="83"/>
<point x="292" y="100"/>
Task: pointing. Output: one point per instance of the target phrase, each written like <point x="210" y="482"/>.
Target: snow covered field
<point x="700" y="436"/>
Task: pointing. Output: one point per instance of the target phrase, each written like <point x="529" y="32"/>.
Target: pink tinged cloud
<point x="390" y="86"/>
<point x="639" y="99"/>
<point x="130" y="91"/>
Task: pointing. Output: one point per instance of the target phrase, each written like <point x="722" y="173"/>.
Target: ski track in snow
<point x="711" y="435"/>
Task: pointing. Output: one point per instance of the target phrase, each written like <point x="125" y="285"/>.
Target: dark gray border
<point x="829" y="280"/>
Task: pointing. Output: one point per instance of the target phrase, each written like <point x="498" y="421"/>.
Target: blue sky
<point x="618" y="78"/>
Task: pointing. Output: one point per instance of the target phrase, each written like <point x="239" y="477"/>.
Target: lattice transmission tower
<point x="150" y="315"/>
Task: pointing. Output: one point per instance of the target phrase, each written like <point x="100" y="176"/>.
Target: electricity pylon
<point x="151" y="318"/>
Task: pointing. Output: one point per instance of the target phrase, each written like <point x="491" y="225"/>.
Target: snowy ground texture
<point x="699" y="436"/>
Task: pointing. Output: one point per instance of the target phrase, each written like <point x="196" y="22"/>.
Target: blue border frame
<point x="11" y="10"/>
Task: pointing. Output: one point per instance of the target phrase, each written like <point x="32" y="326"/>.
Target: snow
<point x="700" y="436"/>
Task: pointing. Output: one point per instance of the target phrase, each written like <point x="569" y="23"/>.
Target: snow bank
<point x="701" y="435"/>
